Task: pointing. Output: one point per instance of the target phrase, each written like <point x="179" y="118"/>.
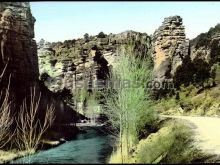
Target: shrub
<point x="182" y="149"/>
<point x="166" y="104"/>
<point x="173" y="143"/>
<point x="44" y="76"/>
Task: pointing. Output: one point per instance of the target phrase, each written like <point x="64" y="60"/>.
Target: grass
<point x="118" y="155"/>
<point x="7" y="156"/>
<point x="171" y="144"/>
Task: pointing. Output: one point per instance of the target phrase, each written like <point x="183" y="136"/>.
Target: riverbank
<point x="7" y="156"/>
<point x="10" y="155"/>
<point x="46" y="144"/>
<point x="89" y="147"/>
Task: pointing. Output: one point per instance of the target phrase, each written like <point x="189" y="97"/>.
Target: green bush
<point x="182" y="149"/>
<point x="166" y="104"/>
<point x="171" y="144"/>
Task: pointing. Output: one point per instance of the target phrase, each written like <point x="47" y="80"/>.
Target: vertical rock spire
<point x="170" y="48"/>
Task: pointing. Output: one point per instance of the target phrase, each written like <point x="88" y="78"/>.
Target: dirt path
<point x="207" y="132"/>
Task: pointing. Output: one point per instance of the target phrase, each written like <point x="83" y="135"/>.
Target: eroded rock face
<point x="17" y="47"/>
<point x="170" y="48"/>
<point x="182" y="62"/>
<point x="84" y="60"/>
<point x="18" y="57"/>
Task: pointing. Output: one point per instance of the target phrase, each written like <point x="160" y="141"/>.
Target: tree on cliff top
<point x="86" y="37"/>
<point x="101" y="35"/>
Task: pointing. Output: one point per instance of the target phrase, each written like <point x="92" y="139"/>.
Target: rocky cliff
<point x="19" y="62"/>
<point x="63" y="64"/>
<point x="18" y="48"/>
<point x="170" y="49"/>
<point x="178" y="60"/>
<point x="206" y="45"/>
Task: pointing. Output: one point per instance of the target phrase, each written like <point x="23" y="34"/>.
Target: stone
<point x="18" y="48"/>
<point x="170" y="47"/>
<point x="18" y="51"/>
<point x="99" y="54"/>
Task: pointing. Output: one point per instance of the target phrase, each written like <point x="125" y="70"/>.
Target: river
<point x="90" y="147"/>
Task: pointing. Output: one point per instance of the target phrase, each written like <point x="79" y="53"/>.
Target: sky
<point x="59" y="21"/>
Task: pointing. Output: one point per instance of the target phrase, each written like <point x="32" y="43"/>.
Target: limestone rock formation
<point x="84" y="60"/>
<point x="19" y="60"/>
<point x="18" y="48"/>
<point x="170" y="48"/>
<point x="178" y="60"/>
<point x="170" y="54"/>
<point x="77" y="64"/>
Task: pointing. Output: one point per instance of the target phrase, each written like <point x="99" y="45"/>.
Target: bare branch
<point x="29" y="128"/>
<point x="5" y="117"/>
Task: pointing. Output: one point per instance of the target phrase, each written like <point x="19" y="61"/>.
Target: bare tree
<point x="5" y="118"/>
<point x="29" y="127"/>
<point x="3" y="72"/>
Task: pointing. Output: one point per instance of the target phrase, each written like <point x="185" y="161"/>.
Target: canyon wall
<point x="177" y="60"/>
<point x="18" y="48"/>
<point x="19" y="63"/>
<point x="62" y="64"/>
<point x="19" y="60"/>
